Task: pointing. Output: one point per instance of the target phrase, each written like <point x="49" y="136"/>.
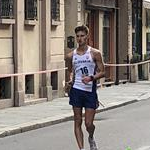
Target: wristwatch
<point x="92" y="78"/>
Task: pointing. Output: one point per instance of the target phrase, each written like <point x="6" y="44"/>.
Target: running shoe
<point x="92" y="143"/>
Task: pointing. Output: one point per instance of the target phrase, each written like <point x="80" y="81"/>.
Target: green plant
<point x="146" y="56"/>
<point x="135" y="58"/>
<point x="128" y="148"/>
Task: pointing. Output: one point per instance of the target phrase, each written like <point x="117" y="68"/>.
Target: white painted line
<point x="144" y="148"/>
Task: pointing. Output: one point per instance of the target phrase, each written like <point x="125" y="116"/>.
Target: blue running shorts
<point x="80" y="98"/>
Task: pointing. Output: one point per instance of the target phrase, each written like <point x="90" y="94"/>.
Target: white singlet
<point x="83" y="65"/>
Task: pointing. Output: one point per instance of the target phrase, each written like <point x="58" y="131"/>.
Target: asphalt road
<point x="116" y="129"/>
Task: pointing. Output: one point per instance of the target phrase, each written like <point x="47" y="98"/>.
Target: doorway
<point x="108" y="46"/>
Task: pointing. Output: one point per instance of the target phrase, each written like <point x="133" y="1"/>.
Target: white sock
<point x="82" y="149"/>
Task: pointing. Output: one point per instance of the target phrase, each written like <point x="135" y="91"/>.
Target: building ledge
<point x="34" y="101"/>
<point x="7" y="21"/>
<point x="30" y="22"/>
<point x="146" y="4"/>
<point x="55" y="23"/>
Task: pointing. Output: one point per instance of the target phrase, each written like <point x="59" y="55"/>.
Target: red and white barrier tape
<point x="29" y="73"/>
<point x="125" y="65"/>
<point x="47" y="71"/>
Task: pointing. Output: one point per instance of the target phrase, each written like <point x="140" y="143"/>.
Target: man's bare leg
<point x="90" y="127"/>
<point x="77" y="126"/>
<point x="89" y="118"/>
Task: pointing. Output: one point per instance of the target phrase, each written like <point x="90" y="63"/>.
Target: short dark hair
<point x="82" y="28"/>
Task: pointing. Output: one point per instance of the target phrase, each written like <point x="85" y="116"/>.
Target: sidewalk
<point x="20" y="119"/>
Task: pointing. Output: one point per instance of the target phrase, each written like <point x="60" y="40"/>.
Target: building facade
<point x="30" y="31"/>
<point x="140" y="35"/>
<point x="112" y="31"/>
<point x="35" y="35"/>
<point x="145" y="29"/>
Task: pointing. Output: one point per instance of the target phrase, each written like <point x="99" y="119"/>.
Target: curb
<point x="50" y="121"/>
<point x="116" y="106"/>
<point x="32" y="126"/>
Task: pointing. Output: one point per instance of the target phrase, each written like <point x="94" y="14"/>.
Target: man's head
<point x="82" y="28"/>
<point x="82" y="33"/>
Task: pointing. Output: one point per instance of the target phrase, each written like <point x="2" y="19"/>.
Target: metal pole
<point x="117" y="43"/>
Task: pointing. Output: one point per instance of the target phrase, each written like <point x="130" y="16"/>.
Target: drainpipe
<point x="140" y="36"/>
<point x="138" y="31"/>
<point x="117" y="45"/>
<point x="140" y="28"/>
<point x="136" y="27"/>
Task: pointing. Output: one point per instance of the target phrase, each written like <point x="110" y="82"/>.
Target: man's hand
<point x="86" y="79"/>
<point x="68" y="86"/>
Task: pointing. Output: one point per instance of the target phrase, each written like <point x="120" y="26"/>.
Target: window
<point x="55" y="10"/>
<point x="133" y="43"/>
<point x="54" y="80"/>
<point x="5" y="88"/>
<point x="29" y="84"/>
<point x="6" y="9"/>
<point x="147" y="18"/>
<point x="148" y="43"/>
<point x="133" y="15"/>
<point x="30" y="9"/>
<point x="106" y="37"/>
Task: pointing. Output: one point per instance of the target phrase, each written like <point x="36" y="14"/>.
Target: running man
<point x="85" y="66"/>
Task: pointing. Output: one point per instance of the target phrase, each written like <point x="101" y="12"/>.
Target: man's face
<point x="81" y="37"/>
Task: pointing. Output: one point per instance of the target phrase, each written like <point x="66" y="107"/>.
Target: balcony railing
<point x="30" y="9"/>
<point x="6" y="9"/>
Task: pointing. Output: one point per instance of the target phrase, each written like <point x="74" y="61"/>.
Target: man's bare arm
<point x="69" y="66"/>
<point x="100" y="72"/>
